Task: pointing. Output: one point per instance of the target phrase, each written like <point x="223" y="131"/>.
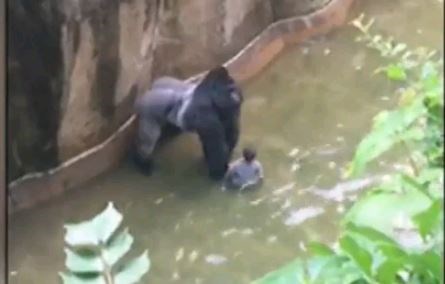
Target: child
<point x="244" y="172"/>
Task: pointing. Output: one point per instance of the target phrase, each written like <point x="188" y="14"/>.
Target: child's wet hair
<point x="249" y="154"/>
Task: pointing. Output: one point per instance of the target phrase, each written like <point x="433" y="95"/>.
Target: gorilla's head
<point x="223" y="90"/>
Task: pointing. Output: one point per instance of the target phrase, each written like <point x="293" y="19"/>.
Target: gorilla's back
<point x="164" y="99"/>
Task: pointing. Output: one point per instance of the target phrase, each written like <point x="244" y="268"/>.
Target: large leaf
<point x="361" y="256"/>
<point x="320" y="249"/>
<point x="428" y="220"/>
<point x="430" y="175"/>
<point x="429" y="261"/>
<point x="409" y="181"/>
<point x="387" y="271"/>
<point x="291" y="273"/>
<point x="393" y="252"/>
<point x="68" y="278"/>
<point x="378" y="210"/>
<point x="326" y="269"/>
<point x="77" y="262"/>
<point x="332" y="269"/>
<point x="389" y="129"/>
<point x="134" y="270"/>
<point x="317" y="264"/>
<point x="370" y="233"/>
<point x="96" y="231"/>
<point x="118" y="247"/>
<point x="369" y="148"/>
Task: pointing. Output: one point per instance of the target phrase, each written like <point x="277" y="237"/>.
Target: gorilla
<point x="211" y="108"/>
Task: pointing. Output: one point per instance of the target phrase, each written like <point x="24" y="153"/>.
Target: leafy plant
<point x="372" y="247"/>
<point x="95" y="249"/>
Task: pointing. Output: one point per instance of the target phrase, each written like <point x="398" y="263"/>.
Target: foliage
<point x="95" y="249"/>
<point x="372" y="247"/>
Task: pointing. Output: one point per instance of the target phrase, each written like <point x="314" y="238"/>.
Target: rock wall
<point x="75" y="66"/>
<point x="198" y="34"/>
<point x="74" y="69"/>
<point x="288" y="8"/>
<point x="34" y="86"/>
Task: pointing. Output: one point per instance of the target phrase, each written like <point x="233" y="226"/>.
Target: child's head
<point x="249" y="154"/>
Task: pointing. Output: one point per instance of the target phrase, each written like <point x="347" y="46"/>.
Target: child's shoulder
<point x="237" y="162"/>
<point x="257" y="163"/>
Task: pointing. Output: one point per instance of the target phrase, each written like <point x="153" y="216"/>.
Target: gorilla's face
<point x="227" y="99"/>
<point x="222" y="89"/>
<point x="236" y="95"/>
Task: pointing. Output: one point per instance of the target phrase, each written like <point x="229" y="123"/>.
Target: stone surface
<point x="107" y="54"/>
<point x="75" y="68"/>
<point x="198" y="34"/>
<point x="288" y="8"/>
<point x="34" y="86"/>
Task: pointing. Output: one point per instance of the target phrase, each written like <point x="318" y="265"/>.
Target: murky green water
<point x="317" y="98"/>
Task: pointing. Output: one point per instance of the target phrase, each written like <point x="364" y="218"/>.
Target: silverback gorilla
<point x="211" y="108"/>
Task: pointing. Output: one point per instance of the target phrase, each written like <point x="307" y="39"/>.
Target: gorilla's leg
<point x="214" y="148"/>
<point x="149" y="131"/>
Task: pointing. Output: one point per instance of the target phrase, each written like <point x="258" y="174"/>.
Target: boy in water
<point x="244" y="172"/>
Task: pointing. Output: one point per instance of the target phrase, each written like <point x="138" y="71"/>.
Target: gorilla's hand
<point x="145" y="165"/>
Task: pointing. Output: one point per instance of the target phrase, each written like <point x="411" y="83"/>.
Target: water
<point x="305" y="114"/>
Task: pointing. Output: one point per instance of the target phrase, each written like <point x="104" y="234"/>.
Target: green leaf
<point x="370" y="233"/>
<point x="428" y="261"/>
<point x="396" y="72"/>
<point x="96" y="231"/>
<point x="134" y="270"/>
<point x="332" y="269"/>
<point x="430" y="174"/>
<point x="77" y="262"/>
<point x="407" y="180"/>
<point x="412" y="134"/>
<point x="369" y="149"/>
<point x="388" y="130"/>
<point x="388" y="205"/>
<point x="293" y="272"/>
<point x="69" y="278"/>
<point x="427" y="221"/>
<point x="316" y="264"/>
<point x="393" y="252"/>
<point x="320" y="249"/>
<point x="387" y="271"/>
<point x="361" y="257"/>
<point x="118" y="247"/>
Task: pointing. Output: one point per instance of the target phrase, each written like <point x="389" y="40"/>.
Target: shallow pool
<point x="305" y="114"/>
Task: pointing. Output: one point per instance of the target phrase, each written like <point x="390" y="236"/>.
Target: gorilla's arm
<point x="232" y="130"/>
<point x="226" y="99"/>
<point x="216" y="152"/>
